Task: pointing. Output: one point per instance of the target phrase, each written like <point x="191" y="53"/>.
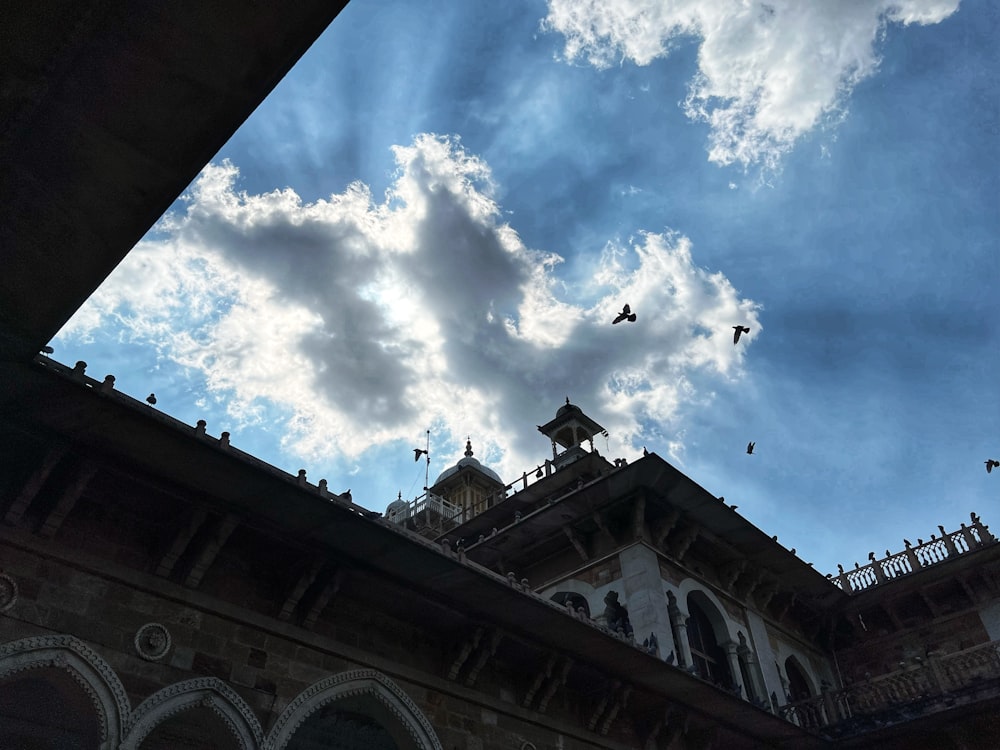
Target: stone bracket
<point x="181" y="542"/>
<point x="211" y="550"/>
<point x="614" y="700"/>
<point x="483" y="643"/>
<point x="304" y="582"/>
<point x="71" y="494"/>
<point x="328" y="592"/>
<point x="30" y="489"/>
<point x="577" y="543"/>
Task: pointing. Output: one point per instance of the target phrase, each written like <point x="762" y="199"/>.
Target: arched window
<point x="798" y="685"/>
<point x="708" y="657"/>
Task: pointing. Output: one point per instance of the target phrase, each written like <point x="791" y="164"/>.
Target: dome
<point x="472" y="463"/>
<point x="397" y="506"/>
<point x="568" y="408"/>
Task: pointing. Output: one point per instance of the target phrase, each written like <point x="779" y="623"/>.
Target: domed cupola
<point x="398" y="510"/>
<point x="469" y="485"/>
<point x="570" y="429"/>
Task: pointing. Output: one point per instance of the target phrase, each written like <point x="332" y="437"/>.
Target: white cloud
<point x="368" y="321"/>
<point x="768" y="72"/>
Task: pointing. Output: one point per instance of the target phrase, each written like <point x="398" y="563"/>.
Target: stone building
<point x="159" y="588"/>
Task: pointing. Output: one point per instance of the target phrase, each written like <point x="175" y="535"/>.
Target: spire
<point x="468" y="448"/>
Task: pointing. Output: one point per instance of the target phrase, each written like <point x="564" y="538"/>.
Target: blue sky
<point x="433" y="219"/>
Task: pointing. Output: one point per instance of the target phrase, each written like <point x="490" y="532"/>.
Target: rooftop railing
<point x="914" y="558"/>
<point x="928" y="685"/>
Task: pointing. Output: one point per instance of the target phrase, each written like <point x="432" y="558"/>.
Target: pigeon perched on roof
<point x="151" y="399"/>
<point x="625" y="314"/>
<point x="47" y="349"/>
<point x="738" y="331"/>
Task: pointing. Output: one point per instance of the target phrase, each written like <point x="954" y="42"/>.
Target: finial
<point x="468" y="448"/>
<point x="567" y="401"/>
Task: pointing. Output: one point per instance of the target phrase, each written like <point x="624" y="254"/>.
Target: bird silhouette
<point x="750" y="447"/>
<point x="625" y="314"/>
<point x="418" y="452"/>
<point x="644" y="451"/>
<point x="47" y="349"/>
<point x="151" y="399"/>
<point x="739" y="330"/>
<point x="990" y="463"/>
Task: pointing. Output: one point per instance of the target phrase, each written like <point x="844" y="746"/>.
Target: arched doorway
<point x="45" y="709"/>
<point x="709" y="659"/>
<point x="335" y="728"/>
<point x="798" y="683"/>
<point x="196" y="728"/>
<point x="357" y="710"/>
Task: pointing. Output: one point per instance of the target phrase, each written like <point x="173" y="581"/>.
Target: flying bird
<point x="739" y="330"/>
<point x="990" y="463"/>
<point x="625" y="314"/>
<point x="151" y="399"/>
<point x="418" y="452"/>
<point x="750" y="447"/>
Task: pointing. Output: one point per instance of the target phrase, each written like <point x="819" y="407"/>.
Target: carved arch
<point x="725" y="629"/>
<point x="364" y="684"/>
<point x="803" y="666"/>
<point x="210" y="692"/>
<point x="85" y="666"/>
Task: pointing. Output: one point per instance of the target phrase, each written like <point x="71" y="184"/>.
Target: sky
<point x="432" y="221"/>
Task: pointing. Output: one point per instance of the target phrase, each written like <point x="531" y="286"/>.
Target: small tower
<point x="469" y="485"/>
<point x="570" y="429"/>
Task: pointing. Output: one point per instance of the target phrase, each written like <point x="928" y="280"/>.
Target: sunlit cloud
<point x="368" y="320"/>
<point x="768" y="72"/>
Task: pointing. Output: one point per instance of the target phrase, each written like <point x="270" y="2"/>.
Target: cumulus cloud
<point x="768" y="72"/>
<point x="368" y="320"/>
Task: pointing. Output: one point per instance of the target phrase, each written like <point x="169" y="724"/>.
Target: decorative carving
<point x="152" y="641"/>
<point x="545" y="672"/>
<point x="615" y="698"/>
<point x="577" y="542"/>
<point x="94" y="675"/>
<point x="8" y="591"/>
<point x="663" y="526"/>
<point x="557" y="681"/>
<point x="685" y="538"/>
<point x="347" y="684"/>
<point x="207" y="692"/>
<point x="730" y="572"/>
<point x="463" y="655"/>
<point x="615" y="615"/>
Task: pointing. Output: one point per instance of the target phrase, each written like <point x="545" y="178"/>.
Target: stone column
<point x="744" y="652"/>
<point x="643" y="596"/>
<point x="734" y="666"/>
<point x="678" y="622"/>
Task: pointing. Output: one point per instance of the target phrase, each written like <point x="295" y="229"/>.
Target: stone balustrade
<point x="926" y="686"/>
<point x="914" y="558"/>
